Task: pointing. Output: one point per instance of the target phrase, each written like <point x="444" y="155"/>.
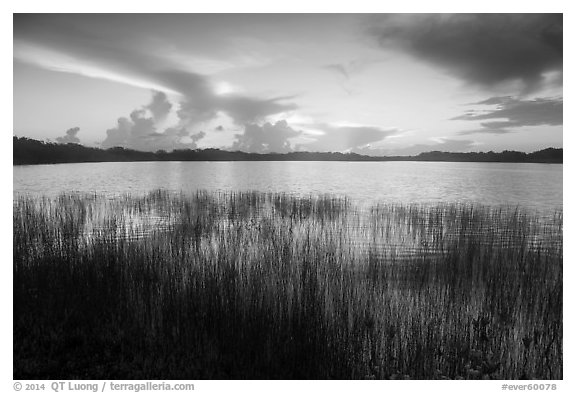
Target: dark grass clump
<point x="261" y="286"/>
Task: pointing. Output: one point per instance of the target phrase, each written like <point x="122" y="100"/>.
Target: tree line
<point x="28" y="151"/>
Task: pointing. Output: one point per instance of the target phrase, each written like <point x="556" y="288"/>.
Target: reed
<point x="264" y="286"/>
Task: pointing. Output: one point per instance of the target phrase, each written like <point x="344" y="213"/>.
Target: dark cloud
<point x="511" y="113"/>
<point x="268" y="138"/>
<point x="483" y="49"/>
<point x="341" y="138"/>
<point x="70" y="136"/>
<point x="219" y="128"/>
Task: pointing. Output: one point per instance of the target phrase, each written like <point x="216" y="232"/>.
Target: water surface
<point x="533" y="186"/>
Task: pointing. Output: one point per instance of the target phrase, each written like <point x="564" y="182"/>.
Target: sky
<point x="376" y="84"/>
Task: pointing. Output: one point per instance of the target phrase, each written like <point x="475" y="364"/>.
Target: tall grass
<point x="254" y="285"/>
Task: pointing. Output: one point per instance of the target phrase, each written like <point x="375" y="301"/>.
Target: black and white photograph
<point x="287" y="196"/>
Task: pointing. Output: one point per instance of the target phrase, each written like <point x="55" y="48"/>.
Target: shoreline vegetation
<point x="249" y="285"/>
<point x="28" y="151"/>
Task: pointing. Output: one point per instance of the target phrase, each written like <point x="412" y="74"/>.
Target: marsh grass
<point x="255" y="285"/>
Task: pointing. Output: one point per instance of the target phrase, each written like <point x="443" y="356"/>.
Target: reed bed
<point x="273" y="286"/>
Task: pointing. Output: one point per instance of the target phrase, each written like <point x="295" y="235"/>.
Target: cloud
<point x="200" y="102"/>
<point x="174" y="138"/>
<point x="482" y="49"/>
<point x="441" y="144"/>
<point x="495" y="131"/>
<point x="160" y="106"/>
<point x="139" y="131"/>
<point x="84" y="45"/>
<point x="514" y="113"/>
<point x="70" y="136"/>
<point x="342" y="138"/>
<point x="268" y="138"/>
<point x="245" y="110"/>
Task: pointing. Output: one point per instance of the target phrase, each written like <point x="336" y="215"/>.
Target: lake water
<point x="532" y="186"/>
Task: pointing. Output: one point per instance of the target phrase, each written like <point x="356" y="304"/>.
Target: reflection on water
<point x="391" y="208"/>
<point x="534" y="186"/>
<point x="383" y="231"/>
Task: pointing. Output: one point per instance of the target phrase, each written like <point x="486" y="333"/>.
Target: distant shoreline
<point x="28" y="151"/>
